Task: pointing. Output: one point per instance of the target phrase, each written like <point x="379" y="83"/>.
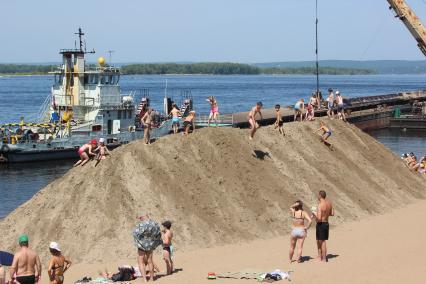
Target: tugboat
<point x="85" y="104"/>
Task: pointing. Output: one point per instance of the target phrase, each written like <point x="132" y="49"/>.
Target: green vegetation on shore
<point x="192" y="68"/>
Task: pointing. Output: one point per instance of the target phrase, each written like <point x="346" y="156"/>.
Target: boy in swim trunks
<point x="167" y="236"/>
<point x="326" y="132"/>
<point x="176" y="114"/>
<point x="252" y="118"/>
<point x="189" y="120"/>
<point x="279" y="122"/>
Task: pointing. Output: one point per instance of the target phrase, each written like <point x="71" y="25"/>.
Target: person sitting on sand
<point x="299" y="230"/>
<point x="299" y="109"/>
<point x="279" y="122"/>
<point x="102" y="151"/>
<point x="189" y="120"/>
<point x="252" y="118"/>
<point x="167" y="236"/>
<point x="26" y="264"/>
<point x="310" y="114"/>
<point x="58" y="264"/>
<point x="176" y="114"/>
<point x="85" y="152"/>
<point x="326" y="131"/>
<point x="324" y="211"/>
<point x="146" y="121"/>
<point x="214" y="110"/>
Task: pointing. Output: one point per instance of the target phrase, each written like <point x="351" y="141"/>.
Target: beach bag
<point x="124" y="274"/>
<point x="147" y="235"/>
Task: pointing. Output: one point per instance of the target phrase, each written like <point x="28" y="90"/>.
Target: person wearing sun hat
<point x="58" y="264"/>
<point x="26" y="263"/>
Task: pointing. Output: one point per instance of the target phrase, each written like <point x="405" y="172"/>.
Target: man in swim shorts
<point x="324" y="211"/>
<point x="167" y="236"/>
<point x="26" y="264"/>
<point x="326" y="131"/>
<point x="176" y="114"/>
<point x="252" y="118"/>
<point x="279" y="120"/>
<point x="330" y="103"/>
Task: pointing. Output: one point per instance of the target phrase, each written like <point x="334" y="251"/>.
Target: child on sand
<point x="189" y="120"/>
<point x="279" y="122"/>
<point x="85" y="152"/>
<point x="214" y="110"/>
<point x="175" y="113"/>
<point x="326" y="132"/>
<point x="102" y="151"/>
<point x="299" y="108"/>
<point x="167" y="236"/>
<point x="310" y="115"/>
<point x="252" y="118"/>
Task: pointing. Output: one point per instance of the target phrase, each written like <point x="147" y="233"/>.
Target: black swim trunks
<point x="280" y="123"/>
<point x="167" y="249"/>
<point x="322" y="231"/>
<point x="186" y="123"/>
<point x="30" y="279"/>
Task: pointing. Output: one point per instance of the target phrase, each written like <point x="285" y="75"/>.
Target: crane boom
<point x="411" y="21"/>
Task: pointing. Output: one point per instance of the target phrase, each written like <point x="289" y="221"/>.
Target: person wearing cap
<point x="167" y="236"/>
<point x="58" y="264"/>
<point x="85" y="152"/>
<point x="340" y="106"/>
<point x="26" y="264"/>
<point x="147" y="124"/>
<point x="189" y="120"/>
<point x="101" y="151"/>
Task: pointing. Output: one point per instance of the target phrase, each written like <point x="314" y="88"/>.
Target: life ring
<point x="4" y="148"/>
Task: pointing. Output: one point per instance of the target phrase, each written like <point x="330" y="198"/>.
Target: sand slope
<point x="215" y="185"/>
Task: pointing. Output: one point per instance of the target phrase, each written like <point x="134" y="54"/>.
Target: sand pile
<point x="216" y="186"/>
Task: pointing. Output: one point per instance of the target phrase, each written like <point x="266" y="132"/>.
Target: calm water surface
<point x="22" y="96"/>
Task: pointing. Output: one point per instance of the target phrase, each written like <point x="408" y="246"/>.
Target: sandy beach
<point x="380" y="249"/>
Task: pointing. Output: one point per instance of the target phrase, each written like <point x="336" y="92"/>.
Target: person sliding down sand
<point x="175" y="113"/>
<point x="252" y="118"/>
<point x="189" y="120"/>
<point x="214" y="110"/>
<point x="279" y="122"/>
<point x="326" y="133"/>
<point x="299" y="231"/>
<point x="102" y="151"/>
<point x="85" y="152"/>
<point x="167" y="236"/>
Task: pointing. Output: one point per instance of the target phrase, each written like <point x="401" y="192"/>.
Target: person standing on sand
<point x="26" y="264"/>
<point x="58" y="264"/>
<point x="252" y="118"/>
<point x="279" y="122"/>
<point x="330" y="104"/>
<point x="214" y="110"/>
<point x="340" y="106"/>
<point x="146" y="121"/>
<point x="189" y="120"/>
<point x="175" y="113"/>
<point x="324" y="211"/>
<point x="299" y="108"/>
<point x="167" y="236"/>
<point x="299" y="230"/>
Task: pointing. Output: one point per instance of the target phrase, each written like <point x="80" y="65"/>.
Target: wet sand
<point x="380" y="249"/>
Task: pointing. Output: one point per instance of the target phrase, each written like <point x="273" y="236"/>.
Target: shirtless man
<point x="176" y="114"/>
<point x="340" y="106"/>
<point x="146" y="122"/>
<point x="189" y="121"/>
<point x="26" y="264"/>
<point x="167" y="236"/>
<point x="330" y="103"/>
<point x="326" y="133"/>
<point x="279" y="120"/>
<point x="252" y="118"/>
<point x="324" y="211"/>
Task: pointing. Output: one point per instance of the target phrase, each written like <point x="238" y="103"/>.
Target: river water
<point x="23" y="95"/>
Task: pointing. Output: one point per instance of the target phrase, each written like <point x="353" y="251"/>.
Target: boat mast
<point x="316" y="44"/>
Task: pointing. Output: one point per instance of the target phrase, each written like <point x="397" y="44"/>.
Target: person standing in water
<point x="214" y="110"/>
<point x="26" y="264"/>
<point x="324" y="211"/>
<point x="176" y="114"/>
<point x="279" y="122"/>
<point x="147" y="124"/>
<point x="58" y="264"/>
<point x="167" y="236"/>
<point x="252" y="118"/>
<point x="299" y="229"/>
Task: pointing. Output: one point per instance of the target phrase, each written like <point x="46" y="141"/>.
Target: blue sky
<point x="206" y="30"/>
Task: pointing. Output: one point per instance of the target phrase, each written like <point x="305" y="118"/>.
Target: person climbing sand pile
<point x="279" y="121"/>
<point x="101" y="151"/>
<point x="189" y="121"/>
<point x="85" y="152"/>
<point x="252" y="118"/>
<point x="326" y="134"/>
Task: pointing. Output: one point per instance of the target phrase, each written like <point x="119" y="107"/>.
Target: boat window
<point x="86" y="79"/>
<point x="119" y="114"/>
<point x="124" y="114"/>
<point x="94" y="79"/>
<point x="130" y="113"/>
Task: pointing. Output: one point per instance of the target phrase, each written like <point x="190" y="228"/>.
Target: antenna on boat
<point x="80" y="37"/>
<point x="110" y="56"/>
<point x="316" y="44"/>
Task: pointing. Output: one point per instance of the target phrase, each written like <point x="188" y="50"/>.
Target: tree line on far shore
<point x="192" y="68"/>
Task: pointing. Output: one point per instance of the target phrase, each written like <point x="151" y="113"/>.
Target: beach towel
<point x="6" y="258"/>
<point x="147" y="235"/>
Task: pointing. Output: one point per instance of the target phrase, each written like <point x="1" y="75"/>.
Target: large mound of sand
<point x="216" y="186"/>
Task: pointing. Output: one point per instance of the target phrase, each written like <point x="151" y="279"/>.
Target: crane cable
<point x="316" y="44"/>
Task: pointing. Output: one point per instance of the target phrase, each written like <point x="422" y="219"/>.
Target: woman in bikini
<point x="214" y="110"/>
<point x="58" y="264"/>
<point x="299" y="229"/>
<point x="85" y="152"/>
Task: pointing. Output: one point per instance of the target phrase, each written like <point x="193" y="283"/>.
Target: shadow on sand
<point x="177" y="270"/>
<point x="259" y="154"/>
